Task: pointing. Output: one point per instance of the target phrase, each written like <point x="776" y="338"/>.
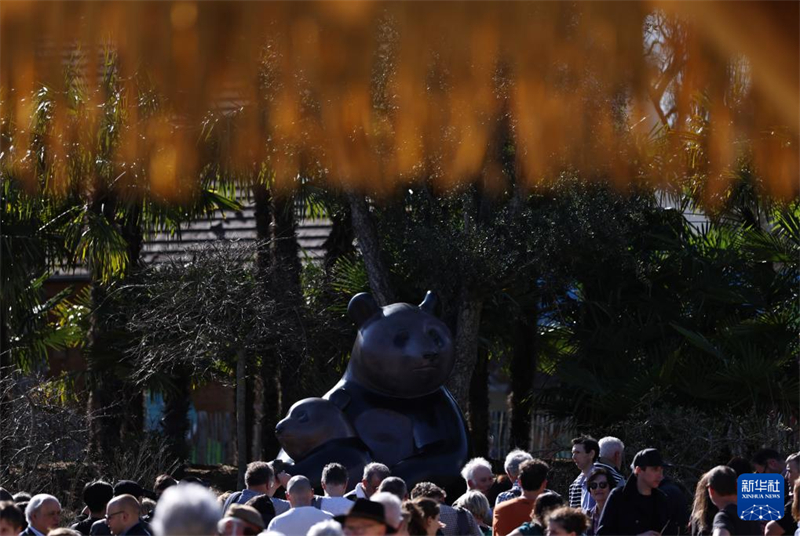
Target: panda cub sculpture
<point x="393" y="398"/>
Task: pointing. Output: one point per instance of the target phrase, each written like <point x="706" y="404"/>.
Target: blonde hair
<point x="475" y="503"/>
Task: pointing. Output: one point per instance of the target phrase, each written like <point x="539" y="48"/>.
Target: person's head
<point x="533" y="475"/>
<point x="476" y="504"/>
<point x="334" y="479"/>
<point x="62" y="531"/>
<point x="12" y="519"/>
<point x="396" y="486"/>
<point x="613" y="450"/>
<point x="326" y="528"/>
<point x="703" y="510"/>
<point x="299" y="491"/>
<point x="428" y="490"/>
<point x="22" y="496"/>
<point x="259" y="476"/>
<point x="263" y="503"/>
<point x="768" y="461"/>
<point x="146" y="507"/>
<point x="233" y="526"/>
<point x="648" y="466"/>
<point x="430" y="514"/>
<point x="793" y="468"/>
<point x="722" y="485"/>
<point x="129" y="487"/>
<point x="600" y="483"/>
<point x="545" y="503"/>
<point x="365" y="518"/>
<point x="43" y="512"/>
<point x="567" y="521"/>
<point x="413" y="519"/>
<point x="585" y="451"/>
<point x="253" y="522"/>
<point x="513" y="460"/>
<point x="740" y="465"/>
<point x="186" y="509"/>
<point x="391" y="508"/>
<point x="122" y="512"/>
<point x="478" y="475"/>
<point x="162" y="483"/>
<point x="5" y="495"/>
<point x="796" y="501"/>
<point x="96" y="495"/>
<point x="374" y="474"/>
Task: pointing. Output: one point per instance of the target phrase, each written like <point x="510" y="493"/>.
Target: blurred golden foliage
<point x="372" y="94"/>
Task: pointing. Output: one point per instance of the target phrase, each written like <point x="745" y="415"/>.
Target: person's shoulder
<point x="509" y="504"/>
<point x="287" y="514"/>
<point x="724" y="517"/>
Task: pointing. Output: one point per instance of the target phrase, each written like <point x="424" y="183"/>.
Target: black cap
<point x="649" y="458"/>
<point x="96" y="495"/>
<point x="366" y="509"/>
<point x="129" y="487"/>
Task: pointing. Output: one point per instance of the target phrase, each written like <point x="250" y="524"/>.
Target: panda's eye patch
<point x="435" y="337"/>
<point x="401" y="339"/>
<point x="302" y="417"/>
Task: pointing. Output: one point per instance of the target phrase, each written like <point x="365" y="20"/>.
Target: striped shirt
<point x="579" y="496"/>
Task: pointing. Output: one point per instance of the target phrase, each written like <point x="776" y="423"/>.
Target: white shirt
<point x="337" y="506"/>
<point x="297" y="521"/>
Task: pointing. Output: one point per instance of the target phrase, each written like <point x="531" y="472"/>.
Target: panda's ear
<point x="362" y="307"/>
<point x="429" y="303"/>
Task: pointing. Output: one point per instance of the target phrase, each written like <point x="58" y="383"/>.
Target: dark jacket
<point x="85" y="526"/>
<point x="629" y="512"/>
<point x="139" y="529"/>
<point x="100" y="528"/>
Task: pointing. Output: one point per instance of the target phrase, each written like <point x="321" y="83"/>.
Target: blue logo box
<point x="761" y="497"/>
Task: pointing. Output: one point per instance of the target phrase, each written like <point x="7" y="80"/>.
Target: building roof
<point x="239" y="225"/>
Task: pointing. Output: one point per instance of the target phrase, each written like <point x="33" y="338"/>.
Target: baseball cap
<point x="649" y="458"/>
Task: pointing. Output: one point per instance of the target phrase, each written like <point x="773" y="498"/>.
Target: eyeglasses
<point x="601" y="485"/>
<point x="109" y="516"/>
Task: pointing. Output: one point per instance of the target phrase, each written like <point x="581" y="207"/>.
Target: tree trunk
<point x="288" y="294"/>
<point x="270" y="364"/>
<point x="523" y="372"/>
<point x="132" y="394"/>
<point x="466" y="346"/>
<point x="5" y="398"/>
<point x="479" y="405"/>
<point x="241" y="416"/>
<point x="105" y="389"/>
<point x="367" y="233"/>
<point x="285" y="249"/>
<point x="340" y="240"/>
<point x="250" y="415"/>
<point x="271" y="404"/>
<point x="176" y="411"/>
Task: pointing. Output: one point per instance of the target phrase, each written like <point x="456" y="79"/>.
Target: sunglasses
<point x="601" y="485"/>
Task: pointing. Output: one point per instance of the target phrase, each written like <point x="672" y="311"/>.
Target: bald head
<point x="122" y="513"/>
<point x="299" y="491"/>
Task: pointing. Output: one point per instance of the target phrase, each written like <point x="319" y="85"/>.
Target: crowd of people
<point x="601" y="501"/>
